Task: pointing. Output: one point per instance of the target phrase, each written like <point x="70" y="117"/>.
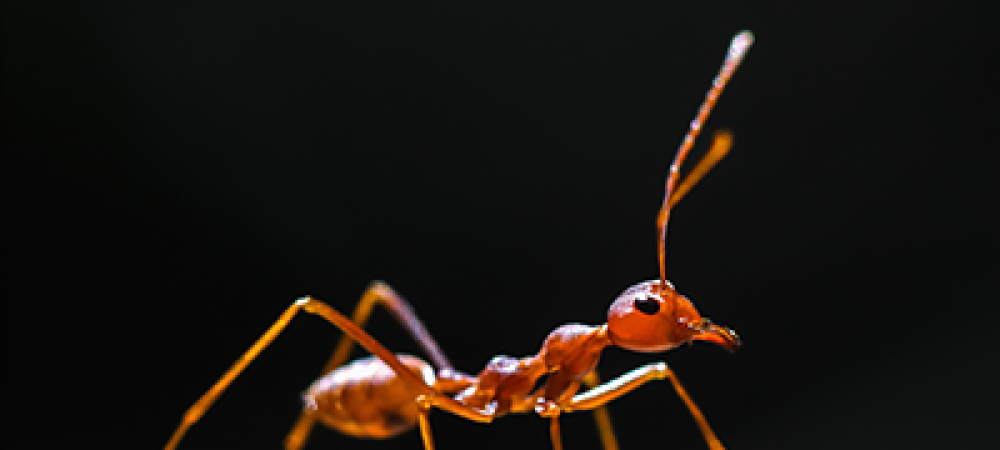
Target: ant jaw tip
<point x="721" y="336"/>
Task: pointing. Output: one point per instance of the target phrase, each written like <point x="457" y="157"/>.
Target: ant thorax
<point x="507" y="384"/>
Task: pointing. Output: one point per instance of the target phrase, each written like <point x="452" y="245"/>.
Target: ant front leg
<point x="601" y="395"/>
<point x="377" y="293"/>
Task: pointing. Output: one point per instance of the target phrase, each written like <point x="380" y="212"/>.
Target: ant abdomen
<point x="367" y="399"/>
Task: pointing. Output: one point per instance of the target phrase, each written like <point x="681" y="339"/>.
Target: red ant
<point x="383" y="395"/>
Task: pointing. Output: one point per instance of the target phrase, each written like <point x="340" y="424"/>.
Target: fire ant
<point x="386" y="394"/>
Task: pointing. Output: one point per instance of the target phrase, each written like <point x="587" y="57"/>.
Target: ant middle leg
<point x="601" y="416"/>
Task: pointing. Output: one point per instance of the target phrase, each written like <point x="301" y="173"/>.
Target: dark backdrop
<point x="177" y="173"/>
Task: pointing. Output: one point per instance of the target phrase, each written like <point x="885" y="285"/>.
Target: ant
<point x="386" y="394"/>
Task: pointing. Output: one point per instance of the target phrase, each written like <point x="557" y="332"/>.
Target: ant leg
<point x="601" y="416"/>
<point x="194" y="413"/>
<point x="425" y="423"/>
<point x="554" y="433"/>
<point x="377" y="292"/>
<point x="624" y="384"/>
<point x="427" y="402"/>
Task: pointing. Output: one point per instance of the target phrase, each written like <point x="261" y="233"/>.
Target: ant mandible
<point x="383" y="395"/>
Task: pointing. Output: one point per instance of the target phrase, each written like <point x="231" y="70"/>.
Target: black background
<point x="177" y="173"/>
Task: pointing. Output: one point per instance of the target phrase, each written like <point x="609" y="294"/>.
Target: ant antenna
<point x="723" y="140"/>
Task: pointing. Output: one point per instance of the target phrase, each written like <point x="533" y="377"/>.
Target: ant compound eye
<point x="647" y="305"/>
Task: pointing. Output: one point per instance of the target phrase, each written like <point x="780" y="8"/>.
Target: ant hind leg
<point x="196" y="411"/>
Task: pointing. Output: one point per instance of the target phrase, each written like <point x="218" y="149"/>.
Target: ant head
<point x="653" y="317"/>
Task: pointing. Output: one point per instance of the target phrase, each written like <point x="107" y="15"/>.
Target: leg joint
<point x="660" y="370"/>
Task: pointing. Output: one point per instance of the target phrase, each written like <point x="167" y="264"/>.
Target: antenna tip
<point x="741" y="42"/>
<point x="743" y="38"/>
